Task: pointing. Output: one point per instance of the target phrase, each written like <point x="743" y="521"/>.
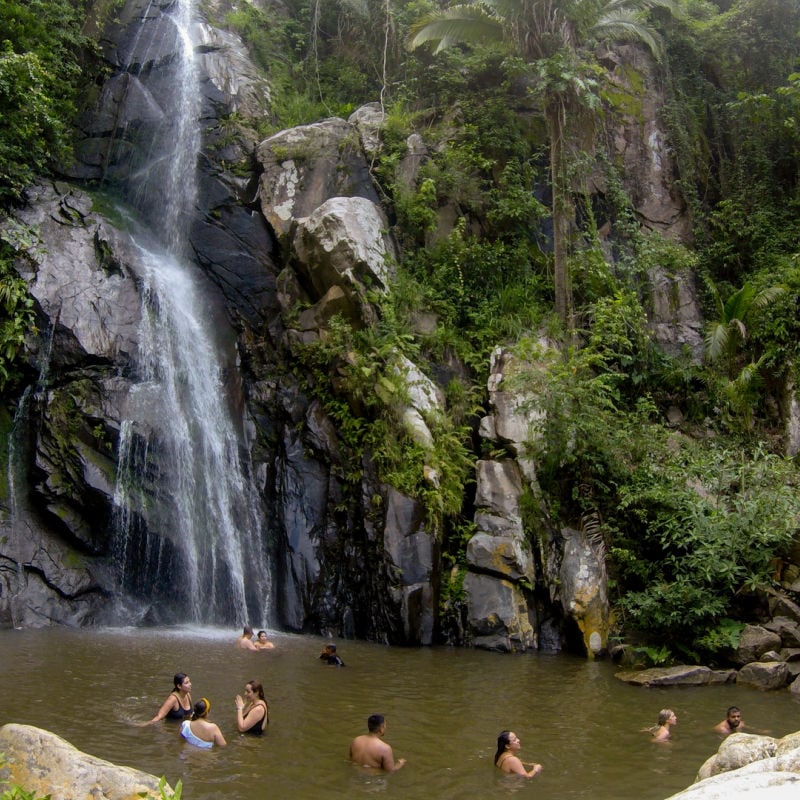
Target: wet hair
<point x="503" y="740"/>
<point x="248" y="631"/>
<point x="732" y="709"/>
<point x="201" y="708"/>
<point x="374" y="722"/>
<point x="178" y="680"/>
<point x="664" y="715"/>
<point x="257" y="688"/>
<point x="260" y="632"/>
<point x="331" y="648"/>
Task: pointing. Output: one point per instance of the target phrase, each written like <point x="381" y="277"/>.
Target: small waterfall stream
<point x="188" y="518"/>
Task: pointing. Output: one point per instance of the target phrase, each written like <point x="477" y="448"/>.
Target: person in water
<point x="252" y="711"/>
<point x="732" y="722"/>
<point x="330" y="657"/>
<point x="245" y="641"/>
<point x="666" y="719"/>
<point x="369" y="749"/>
<point x="178" y="704"/>
<point x="507" y="760"/>
<point x="199" y="731"/>
<point x="262" y="642"/>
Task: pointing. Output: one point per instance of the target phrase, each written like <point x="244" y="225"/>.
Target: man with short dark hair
<point x="369" y="749"/>
<point x="732" y="722"/>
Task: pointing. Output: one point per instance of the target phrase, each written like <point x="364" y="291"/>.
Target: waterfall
<point x="188" y="518"/>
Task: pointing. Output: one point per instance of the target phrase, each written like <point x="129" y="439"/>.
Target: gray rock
<point x="667" y="676"/>
<point x="754" y="641"/>
<point x="46" y="764"/>
<point x="305" y="166"/>
<point x="764" y="675"/>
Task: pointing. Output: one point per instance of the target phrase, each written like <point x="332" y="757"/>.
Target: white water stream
<point x="188" y="520"/>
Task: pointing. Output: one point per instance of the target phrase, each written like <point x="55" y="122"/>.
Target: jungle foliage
<point x="694" y="513"/>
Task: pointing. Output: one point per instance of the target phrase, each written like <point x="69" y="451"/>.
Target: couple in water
<point x="262" y="642"/>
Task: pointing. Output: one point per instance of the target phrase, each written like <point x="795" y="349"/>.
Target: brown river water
<point x="444" y="709"/>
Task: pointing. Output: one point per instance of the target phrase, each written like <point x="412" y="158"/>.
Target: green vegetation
<point x="42" y="51"/>
<point x="503" y="243"/>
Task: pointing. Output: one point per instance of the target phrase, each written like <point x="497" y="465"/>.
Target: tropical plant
<point x="728" y="332"/>
<point x="552" y="40"/>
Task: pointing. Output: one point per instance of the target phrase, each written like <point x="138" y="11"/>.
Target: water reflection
<point x="444" y="709"/>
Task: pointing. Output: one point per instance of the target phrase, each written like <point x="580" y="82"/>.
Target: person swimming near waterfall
<point x="507" y="760"/>
<point x="369" y="749"/>
<point x="245" y="641"/>
<point x="199" y="731"/>
<point x="330" y="656"/>
<point x="252" y="711"/>
<point x="262" y="642"/>
<point x="666" y="719"/>
<point x="178" y="705"/>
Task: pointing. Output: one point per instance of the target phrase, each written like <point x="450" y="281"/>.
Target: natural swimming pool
<point x="444" y="709"/>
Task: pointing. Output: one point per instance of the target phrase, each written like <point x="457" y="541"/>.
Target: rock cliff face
<point x="287" y="233"/>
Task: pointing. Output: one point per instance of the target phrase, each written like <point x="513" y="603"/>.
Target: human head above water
<point x="330" y="648"/>
<point x="262" y="634"/>
<point x="503" y="741"/>
<point x="375" y="722"/>
<point x="178" y="679"/>
<point x="664" y="715"/>
<point x="201" y="708"/>
<point x="256" y="688"/>
<point x="248" y="631"/>
<point x="734" y="716"/>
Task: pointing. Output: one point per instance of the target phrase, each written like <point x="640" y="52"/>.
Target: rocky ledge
<point x="750" y="767"/>
<point x="47" y="765"/>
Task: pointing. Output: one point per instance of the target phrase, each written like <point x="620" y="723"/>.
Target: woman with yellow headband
<point x="199" y="731"/>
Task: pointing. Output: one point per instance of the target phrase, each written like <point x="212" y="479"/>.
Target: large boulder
<point x="305" y="166"/>
<point x="752" y="767"/>
<point x="45" y="764"/>
<point x="584" y="589"/>
<point x="764" y="674"/>
<point x="754" y="641"/>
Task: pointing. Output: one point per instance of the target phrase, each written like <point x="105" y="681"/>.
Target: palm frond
<point x="454" y="25"/>
<point x="623" y="25"/>
<point x="717" y="339"/>
<point x="767" y="296"/>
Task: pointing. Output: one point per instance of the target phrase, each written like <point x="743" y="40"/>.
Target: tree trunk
<point x="562" y="211"/>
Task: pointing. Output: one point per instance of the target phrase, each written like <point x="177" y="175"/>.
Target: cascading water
<point x="188" y="518"/>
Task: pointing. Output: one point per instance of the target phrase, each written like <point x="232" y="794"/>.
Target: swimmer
<point x="369" y="750"/>
<point x="262" y="642"/>
<point x="330" y="657"/>
<point x="245" y="641"/>
<point x="178" y="704"/>
<point x="506" y="759"/>
<point x="733" y="723"/>
<point x="666" y="719"/>
<point x="252" y="711"/>
<point x="199" y="731"/>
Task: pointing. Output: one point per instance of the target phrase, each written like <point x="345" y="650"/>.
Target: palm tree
<point x="549" y="35"/>
<point x="728" y="331"/>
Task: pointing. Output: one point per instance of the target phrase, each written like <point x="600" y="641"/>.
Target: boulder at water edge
<point x="45" y="764"/>
<point x="750" y="767"/>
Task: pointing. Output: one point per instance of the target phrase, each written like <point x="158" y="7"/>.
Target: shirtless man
<point x="732" y="722"/>
<point x="245" y="641"/>
<point x="369" y="751"/>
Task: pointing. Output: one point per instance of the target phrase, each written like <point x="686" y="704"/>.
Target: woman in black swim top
<point x="252" y="718"/>
<point x="178" y="704"/>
